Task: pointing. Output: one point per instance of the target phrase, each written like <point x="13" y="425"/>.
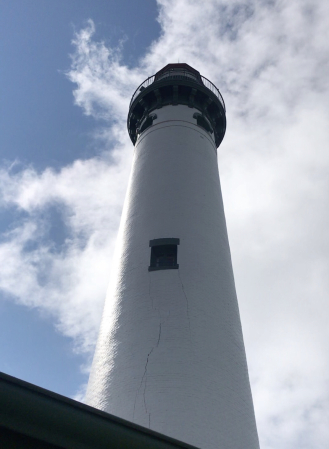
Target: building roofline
<point x="38" y="414"/>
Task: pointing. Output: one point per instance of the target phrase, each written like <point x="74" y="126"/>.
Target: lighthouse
<point x="170" y="354"/>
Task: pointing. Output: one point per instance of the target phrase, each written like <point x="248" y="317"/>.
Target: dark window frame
<point x="203" y="122"/>
<point x="147" y="122"/>
<point x="162" y="251"/>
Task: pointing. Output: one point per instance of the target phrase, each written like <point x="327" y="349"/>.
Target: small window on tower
<point x="203" y="122"/>
<point x="163" y="254"/>
<point x="148" y="121"/>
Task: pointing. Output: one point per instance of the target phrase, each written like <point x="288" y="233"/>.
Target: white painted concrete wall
<point x="170" y="354"/>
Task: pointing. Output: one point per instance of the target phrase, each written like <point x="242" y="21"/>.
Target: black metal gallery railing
<point x="178" y="75"/>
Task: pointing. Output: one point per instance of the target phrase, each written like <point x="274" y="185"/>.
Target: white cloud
<point x="68" y="282"/>
<point x="270" y="61"/>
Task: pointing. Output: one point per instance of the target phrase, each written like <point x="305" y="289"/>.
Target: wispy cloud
<point x="68" y="281"/>
<point x="270" y="60"/>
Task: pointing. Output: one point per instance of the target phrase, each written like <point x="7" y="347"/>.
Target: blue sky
<point x="42" y="127"/>
<point x="68" y="71"/>
<point x="36" y="44"/>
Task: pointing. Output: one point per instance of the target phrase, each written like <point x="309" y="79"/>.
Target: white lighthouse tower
<point x="170" y="353"/>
